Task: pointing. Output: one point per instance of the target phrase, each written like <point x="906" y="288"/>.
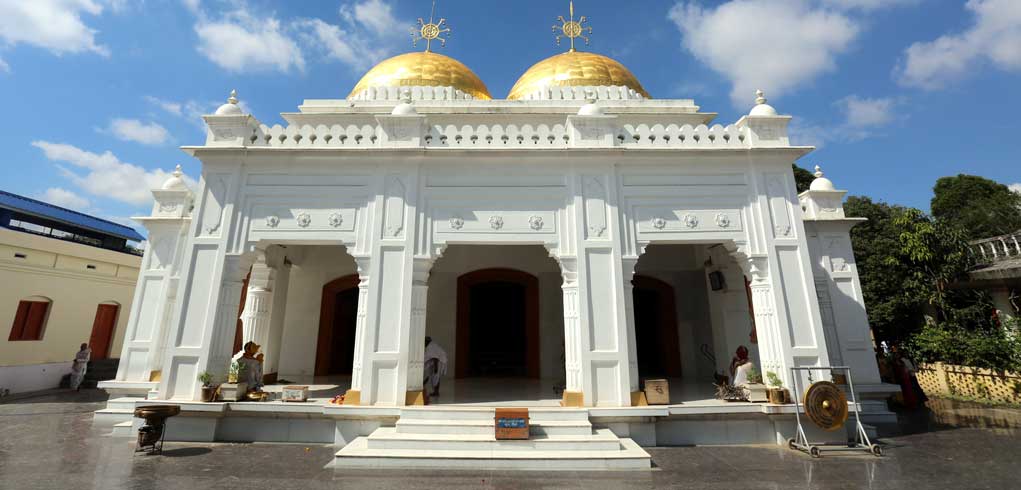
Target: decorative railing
<point x="499" y="136"/>
<point x="996" y="249"/>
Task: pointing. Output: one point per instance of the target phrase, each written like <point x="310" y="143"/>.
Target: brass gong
<point x="826" y="405"/>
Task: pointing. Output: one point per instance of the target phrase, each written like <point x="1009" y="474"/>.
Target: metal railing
<point x="996" y="249"/>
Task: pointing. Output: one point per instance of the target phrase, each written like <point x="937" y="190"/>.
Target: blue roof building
<point x="31" y="216"/>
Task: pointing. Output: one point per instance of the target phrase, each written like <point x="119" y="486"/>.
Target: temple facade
<point x="578" y="233"/>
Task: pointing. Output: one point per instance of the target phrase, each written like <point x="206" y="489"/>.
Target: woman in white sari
<point x="78" y="367"/>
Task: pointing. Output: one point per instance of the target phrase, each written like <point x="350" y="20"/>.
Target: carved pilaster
<point x="363" y="308"/>
<point x="234" y="271"/>
<point x="572" y="325"/>
<point x="771" y="351"/>
<point x="257" y="316"/>
<point x="628" y="269"/>
<point x="416" y="343"/>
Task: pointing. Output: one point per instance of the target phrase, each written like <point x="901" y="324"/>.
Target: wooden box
<point x="657" y="392"/>
<point x="511" y="423"/>
<point x="294" y="394"/>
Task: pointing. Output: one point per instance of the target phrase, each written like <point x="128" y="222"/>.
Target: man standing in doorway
<point x="435" y="367"/>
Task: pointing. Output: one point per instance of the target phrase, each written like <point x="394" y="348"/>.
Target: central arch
<point x="656" y="328"/>
<point x="480" y="313"/>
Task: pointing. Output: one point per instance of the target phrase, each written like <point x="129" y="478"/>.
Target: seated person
<point x="740" y="366"/>
<point x="250" y="364"/>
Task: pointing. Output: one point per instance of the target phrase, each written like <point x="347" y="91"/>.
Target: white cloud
<point x="64" y="198"/>
<point x="376" y="15"/>
<point x="105" y="175"/>
<point x="1016" y="187"/>
<point x="138" y="131"/>
<point x="241" y="42"/>
<point x="4" y="67"/>
<point x="54" y="25"/>
<point x="866" y="4"/>
<point x="773" y="45"/>
<point x="995" y="37"/>
<point x="864" y="112"/>
<point x="863" y="117"/>
<point x="175" y="108"/>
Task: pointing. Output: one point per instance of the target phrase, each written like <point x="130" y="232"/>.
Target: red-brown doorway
<point x="337" y="323"/>
<point x="659" y="351"/>
<point x="102" y="330"/>
<point x="497" y="324"/>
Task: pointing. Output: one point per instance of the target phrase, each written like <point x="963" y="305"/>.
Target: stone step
<point x="123" y="403"/>
<point x="123" y="429"/>
<point x="108" y="417"/>
<point x="473" y="413"/>
<point x="357" y="454"/>
<point x="486" y="427"/>
<point x="389" y="438"/>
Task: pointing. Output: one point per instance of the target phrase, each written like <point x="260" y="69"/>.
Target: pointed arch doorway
<point x="497" y="324"/>
<point x="337" y="323"/>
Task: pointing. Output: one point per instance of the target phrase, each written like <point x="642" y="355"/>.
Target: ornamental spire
<point x="428" y="31"/>
<point x="571" y="28"/>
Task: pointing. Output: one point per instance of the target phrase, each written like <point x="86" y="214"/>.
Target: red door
<point x="102" y="331"/>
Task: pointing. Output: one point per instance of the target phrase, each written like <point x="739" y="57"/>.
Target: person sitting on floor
<point x="435" y="367"/>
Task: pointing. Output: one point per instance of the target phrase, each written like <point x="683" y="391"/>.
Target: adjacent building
<point x="67" y="278"/>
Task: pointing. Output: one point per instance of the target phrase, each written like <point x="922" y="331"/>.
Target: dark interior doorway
<point x="337" y="324"/>
<point x="656" y="328"/>
<point x="498" y="324"/>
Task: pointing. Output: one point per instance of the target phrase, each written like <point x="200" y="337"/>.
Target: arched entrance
<point x="497" y="324"/>
<point x="337" y="319"/>
<point x="656" y="328"/>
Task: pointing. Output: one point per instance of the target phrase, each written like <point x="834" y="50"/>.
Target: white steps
<point x="123" y="429"/>
<point x="463" y="438"/>
<point x="117" y="410"/>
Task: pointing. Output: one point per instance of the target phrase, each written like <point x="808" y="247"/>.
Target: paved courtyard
<point x="48" y="442"/>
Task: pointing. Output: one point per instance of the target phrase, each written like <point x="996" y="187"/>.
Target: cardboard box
<point x="294" y="394"/>
<point x="657" y="391"/>
<point x="511" y="423"/>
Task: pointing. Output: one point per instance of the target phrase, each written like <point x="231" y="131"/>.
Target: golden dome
<point x="573" y="69"/>
<point x="423" y="69"/>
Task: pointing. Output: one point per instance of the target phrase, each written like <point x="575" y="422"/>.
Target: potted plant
<point x="232" y="391"/>
<point x="730" y="393"/>
<point x="755" y="391"/>
<point x="208" y="389"/>
<point x="777" y="394"/>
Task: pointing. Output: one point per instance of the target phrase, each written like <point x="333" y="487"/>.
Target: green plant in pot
<point x="777" y="393"/>
<point x="208" y="388"/>
<point x="755" y="391"/>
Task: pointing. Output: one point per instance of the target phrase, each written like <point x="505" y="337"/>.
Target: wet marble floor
<point x="48" y="442"/>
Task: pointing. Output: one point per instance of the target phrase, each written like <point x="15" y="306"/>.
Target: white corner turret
<point x="231" y="108"/>
<point x="822" y="201"/>
<point x="821" y="183"/>
<point x="175" y="182"/>
<point x="761" y="107"/>
<point x="405" y="108"/>
<point x="591" y="108"/>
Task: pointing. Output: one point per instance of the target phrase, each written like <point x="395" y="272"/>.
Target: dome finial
<point x="233" y="99"/>
<point x="821" y="183"/>
<point x="571" y="28"/>
<point x="818" y="172"/>
<point x="177" y="171"/>
<point x="231" y="108"/>
<point x="761" y="107"/>
<point x="428" y="31"/>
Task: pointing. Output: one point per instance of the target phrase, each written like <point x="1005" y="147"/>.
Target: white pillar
<point x="354" y="394"/>
<point x="257" y="315"/>
<point x="416" y="343"/>
<point x="1004" y="307"/>
<point x="773" y="349"/>
<point x="628" y="270"/>
<point x="573" y="344"/>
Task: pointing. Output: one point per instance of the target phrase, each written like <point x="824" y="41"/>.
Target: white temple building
<point x="563" y="244"/>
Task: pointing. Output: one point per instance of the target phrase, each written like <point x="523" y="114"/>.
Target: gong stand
<point x="827" y="413"/>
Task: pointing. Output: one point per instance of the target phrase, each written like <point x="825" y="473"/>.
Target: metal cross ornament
<point x="572" y="29"/>
<point x="428" y="31"/>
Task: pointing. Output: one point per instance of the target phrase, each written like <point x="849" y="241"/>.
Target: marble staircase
<point x="463" y="437"/>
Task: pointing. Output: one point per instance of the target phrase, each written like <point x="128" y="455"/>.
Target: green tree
<point x="982" y="207"/>
<point x="802" y="178"/>
<point x="937" y="252"/>
<point x="895" y="310"/>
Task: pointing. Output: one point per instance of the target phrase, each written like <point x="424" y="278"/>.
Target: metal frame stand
<point x="800" y="441"/>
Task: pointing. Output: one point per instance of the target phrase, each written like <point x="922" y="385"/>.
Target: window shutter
<point x="36" y="317"/>
<point x="18" y="328"/>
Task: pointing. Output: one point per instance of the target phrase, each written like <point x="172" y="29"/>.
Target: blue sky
<point x="98" y="94"/>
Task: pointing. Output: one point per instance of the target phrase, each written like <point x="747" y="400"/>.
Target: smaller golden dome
<point x="423" y="69"/>
<point x="575" y="69"/>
